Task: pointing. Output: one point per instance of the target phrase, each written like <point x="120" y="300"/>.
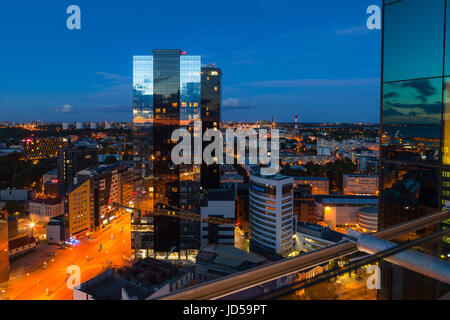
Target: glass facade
<point x="415" y="180"/>
<point x="167" y="95"/>
<point x="211" y="117"/>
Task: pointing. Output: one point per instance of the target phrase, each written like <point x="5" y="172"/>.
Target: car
<point x="52" y="254"/>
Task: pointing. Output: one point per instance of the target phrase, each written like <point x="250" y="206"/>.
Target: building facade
<point x="211" y="89"/>
<point x="40" y="148"/>
<point x="415" y="128"/>
<point x="4" y="253"/>
<point x="218" y="203"/>
<point x="320" y="186"/>
<point x="43" y="209"/>
<point x="79" y="209"/>
<point x="354" y="184"/>
<point x="73" y="159"/>
<point x="271" y="215"/>
<point x="167" y="95"/>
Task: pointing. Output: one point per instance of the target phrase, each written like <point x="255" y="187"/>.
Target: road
<point x="40" y="276"/>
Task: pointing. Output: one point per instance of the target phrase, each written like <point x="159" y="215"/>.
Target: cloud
<point x="111" y="76"/>
<point x="231" y="102"/>
<point x="352" y="31"/>
<point x="424" y="88"/>
<point x="235" y="104"/>
<point x="389" y="112"/>
<point x="65" y="108"/>
<point x="391" y="94"/>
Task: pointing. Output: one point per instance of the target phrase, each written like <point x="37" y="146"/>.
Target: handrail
<point x="247" y="279"/>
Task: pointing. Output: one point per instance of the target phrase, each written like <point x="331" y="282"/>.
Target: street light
<point x="31" y="226"/>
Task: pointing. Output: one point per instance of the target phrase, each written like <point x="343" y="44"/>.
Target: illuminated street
<point x="29" y="278"/>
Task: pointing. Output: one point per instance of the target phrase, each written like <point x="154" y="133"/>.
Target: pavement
<point x="42" y="274"/>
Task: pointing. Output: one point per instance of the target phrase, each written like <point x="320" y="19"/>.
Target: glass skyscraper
<point x="415" y="127"/>
<point x="167" y="95"/>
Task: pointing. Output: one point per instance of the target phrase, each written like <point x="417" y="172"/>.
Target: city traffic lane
<point x="33" y="286"/>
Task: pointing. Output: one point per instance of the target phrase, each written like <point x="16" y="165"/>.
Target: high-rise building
<point x="211" y="90"/>
<point x="166" y="97"/>
<point x="271" y="215"/>
<point x="73" y="159"/>
<point x="415" y="129"/>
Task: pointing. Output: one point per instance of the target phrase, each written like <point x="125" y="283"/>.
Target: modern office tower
<point x="40" y="148"/>
<point x="73" y="159"/>
<point x="4" y="252"/>
<point x="65" y="126"/>
<point x="218" y="203"/>
<point x="93" y="125"/>
<point x="79" y="125"/>
<point x="415" y="128"/>
<point x="166" y="97"/>
<point x="211" y="90"/>
<point x="271" y="215"/>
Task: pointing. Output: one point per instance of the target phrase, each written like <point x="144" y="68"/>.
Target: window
<point x="413" y="39"/>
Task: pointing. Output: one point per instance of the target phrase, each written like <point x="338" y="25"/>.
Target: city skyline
<point x="269" y="57"/>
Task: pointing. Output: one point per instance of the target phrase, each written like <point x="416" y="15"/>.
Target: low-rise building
<point x="21" y="245"/>
<point x="43" y="209"/>
<point x="146" y="279"/>
<point x="55" y="230"/>
<point x="39" y="148"/>
<point x="310" y="237"/>
<point x="20" y="195"/>
<point x="305" y="204"/>
<point x="320" y="186"/>
<point x="342" y="211"/>
<point x="368" y="219"/>
<point x="216" y="261"/>
<point x="357" y="184"/>
<point x="4" y="256"/>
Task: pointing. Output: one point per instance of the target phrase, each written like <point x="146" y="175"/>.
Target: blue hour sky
<point x="279" y="58"/>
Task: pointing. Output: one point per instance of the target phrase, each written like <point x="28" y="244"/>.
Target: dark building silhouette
<point x="73" y="159"/>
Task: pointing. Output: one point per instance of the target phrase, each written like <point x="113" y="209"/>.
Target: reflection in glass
<point x="413" y="39"/>
<point x="408" y="191"/>
<point x="411" y="120"/>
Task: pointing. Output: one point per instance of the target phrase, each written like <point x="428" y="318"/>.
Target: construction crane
<point x="164" y="210"/>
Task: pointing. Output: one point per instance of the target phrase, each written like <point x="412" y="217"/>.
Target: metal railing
<point x="245" y="280"/>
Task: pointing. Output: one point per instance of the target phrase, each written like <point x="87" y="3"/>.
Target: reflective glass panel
<point x="413" y="39"/>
